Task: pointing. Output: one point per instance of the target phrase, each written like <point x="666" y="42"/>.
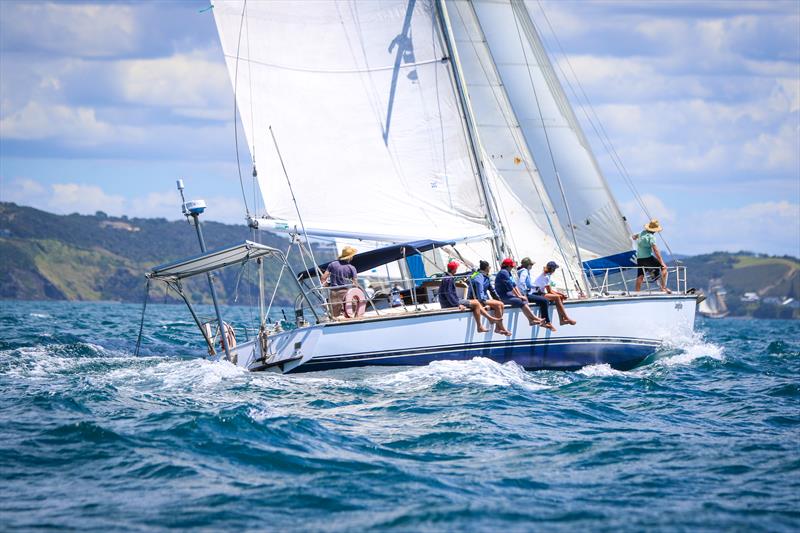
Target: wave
<point x="477" y="371"/>
<point x="686" y="350"/>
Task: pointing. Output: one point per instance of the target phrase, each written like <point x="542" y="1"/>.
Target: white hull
<point x="620" y="331"/>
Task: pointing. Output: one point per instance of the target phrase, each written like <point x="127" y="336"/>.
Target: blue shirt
<point x="479" y="286"/>
<point x="341" y="274"/>
<point x="525" y="282"/>
<point x="504" y="284"/>
<point x="447" y="292"/>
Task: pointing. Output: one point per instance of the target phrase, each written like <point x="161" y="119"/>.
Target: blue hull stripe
<point x="532" y="354"/>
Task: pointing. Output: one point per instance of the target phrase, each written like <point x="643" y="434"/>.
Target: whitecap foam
<point x="603" y="370"/>
<point x="690" y="349"/>
<point x="477" y="371"/>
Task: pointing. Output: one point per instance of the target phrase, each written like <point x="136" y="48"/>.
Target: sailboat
<point x="714" y="305"/>
<point x="437" y="128"/>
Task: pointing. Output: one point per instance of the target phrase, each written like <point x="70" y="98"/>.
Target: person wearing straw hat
<point x="340" y="276"/>
<point x="648" y="257"/>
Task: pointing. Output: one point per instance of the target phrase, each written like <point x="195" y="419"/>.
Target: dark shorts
<point x="514" y="302"/>
<point x="648" y="263"/>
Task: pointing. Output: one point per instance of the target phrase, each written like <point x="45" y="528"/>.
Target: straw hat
<point x="653" y="226"/>
<point x="348" y="253"/>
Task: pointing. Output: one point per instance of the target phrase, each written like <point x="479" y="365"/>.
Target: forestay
<point x="360" y="96"/>
<point x="550" y="129"/>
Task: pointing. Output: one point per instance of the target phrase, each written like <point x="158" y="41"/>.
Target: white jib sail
<point x="362" y="103"/>
<point x="530" y="223"/>
<point x="543" y="113"/>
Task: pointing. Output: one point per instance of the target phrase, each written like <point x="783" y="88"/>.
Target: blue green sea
<point x="704" y="438"/>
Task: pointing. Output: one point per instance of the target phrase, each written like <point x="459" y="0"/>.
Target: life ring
<point x="355" y="303"/>
<point x="230" y="336"/>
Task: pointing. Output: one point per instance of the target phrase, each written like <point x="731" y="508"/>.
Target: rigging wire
<point x="521" y="149"/>
<point x="598" y="128"/>
<point x="294" y="199"/>
<point x="252" y="120"/>
<point x="236" y="108"/>
<point x="549" y="146"/>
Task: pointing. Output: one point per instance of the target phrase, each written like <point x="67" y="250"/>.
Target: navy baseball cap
<point x="552" y="265"/>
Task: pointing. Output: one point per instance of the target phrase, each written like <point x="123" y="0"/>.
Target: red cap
<point x="452" y="265"/>
<point x="508" y="262"/>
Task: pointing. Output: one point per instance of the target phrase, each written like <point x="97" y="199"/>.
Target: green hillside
<point x="772" y="279"/>
<point x="97" y="257"/>
<point x="79" y="257"/>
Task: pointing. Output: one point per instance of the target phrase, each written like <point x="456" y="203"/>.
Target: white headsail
<point x="531" y="225"/>
<point x="550" y="130"/>
<point x="360" y="97"/>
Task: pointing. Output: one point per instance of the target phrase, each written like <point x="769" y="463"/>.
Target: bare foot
<point x="503" y="332"/>
<point x="483" y="330"/>
<point x="549" y="326"/>
<point x="535" y="322"/>
<point x="568" y="322"/>
<point x="666" y="290"/>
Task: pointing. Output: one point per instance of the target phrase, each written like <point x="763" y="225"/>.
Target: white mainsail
<point x="362" y="94"/>
<point x="550" y="130"/>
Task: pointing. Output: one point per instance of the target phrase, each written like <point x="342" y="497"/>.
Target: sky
<point x="104" y="105"/>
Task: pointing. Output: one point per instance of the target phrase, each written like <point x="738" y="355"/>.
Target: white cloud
<point x="36" y="121"/>
<point x="20" y="190"/>
<point x="65" y="198"/>
<point x="192" y="81"/>
<point x="74" y="197"/>
<point x="71" y="29"/>
<point x="657" y="209"/>
<point x="771" y="227"/>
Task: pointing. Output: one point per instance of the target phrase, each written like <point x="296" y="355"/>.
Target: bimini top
<point x="381" y="256"/>
<point x="213" y="260"/>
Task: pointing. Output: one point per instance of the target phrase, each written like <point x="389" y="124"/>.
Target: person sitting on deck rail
<point x="525" y="284"/>
<point x="510" y="294"/>
<point x="647" y="255"/>
<point x="448" y="298"/>
<point x="480" y="288"/>
<point x="543" y="287"/>
<point x="340" y="276"/>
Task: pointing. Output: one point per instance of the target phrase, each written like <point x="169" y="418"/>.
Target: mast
<point x="498" y="239"/>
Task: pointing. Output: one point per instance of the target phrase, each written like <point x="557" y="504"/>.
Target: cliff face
<point x="78" y="257"/>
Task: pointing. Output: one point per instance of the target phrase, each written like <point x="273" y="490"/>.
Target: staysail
<point x="550" y="129"/>
<point x="362" y="94"/>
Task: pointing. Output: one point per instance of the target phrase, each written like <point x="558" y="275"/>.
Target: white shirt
<point x="540" y="284"/>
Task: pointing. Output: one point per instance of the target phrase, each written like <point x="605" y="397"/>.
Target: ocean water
<point x="706" y="437"/>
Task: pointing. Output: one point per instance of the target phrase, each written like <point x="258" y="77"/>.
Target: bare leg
<point x="476" y="314"/>
<point x="639" y="280"/>
<point x="664" y="274"/>
<point x="498" y="309"/>
<point x="533" y="320"/>
<point x="562" y="312"/>
<point x="482" y="310"/>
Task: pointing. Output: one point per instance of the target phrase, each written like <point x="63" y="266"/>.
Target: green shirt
<point x="645" y="241"/>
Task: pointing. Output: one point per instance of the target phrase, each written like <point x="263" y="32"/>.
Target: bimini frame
<point x="173" y="273"/>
